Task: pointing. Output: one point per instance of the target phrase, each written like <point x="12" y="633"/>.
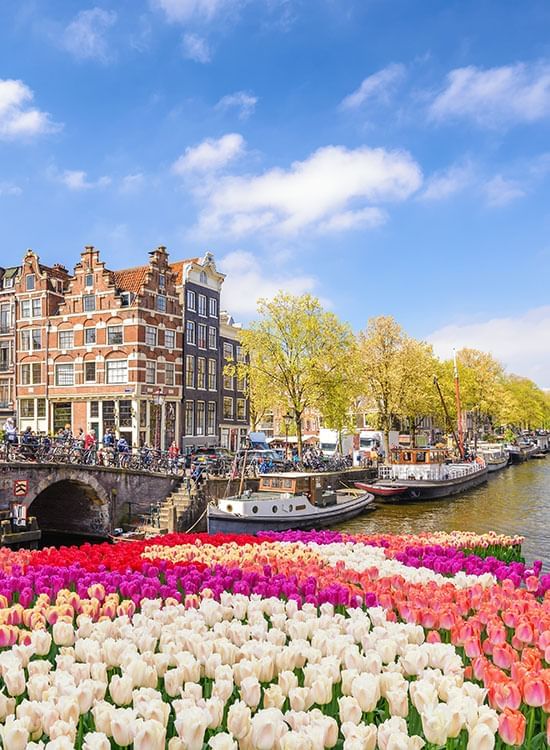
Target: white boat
<point x="495" y="455"/>
<point x="428" y="473"/>
<point x="286" y="501"/>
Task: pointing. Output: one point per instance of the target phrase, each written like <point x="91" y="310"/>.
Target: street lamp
<point x="288" y="419"/>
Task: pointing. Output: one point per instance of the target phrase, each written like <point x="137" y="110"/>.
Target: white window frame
<point x="64" y="333"/>
<point x="169" y="339"/>
<point x="213" y="307"/>
<point x="202" y="306"/>
<point x="204" y="339"/>
<point x="109" y="371"/>
<point x="151" y="336"/>
<point x="150" y="368"/>
<point x="191" y="300"/>
<point x="212" y="336"/>
<point x="86" y="379"/>
<point x="191" y="332"/>
<point x="90" y="343"/>
<point x="110" y="329"/>
<point x="65" y="365"/>
<point x="169" y="373"/>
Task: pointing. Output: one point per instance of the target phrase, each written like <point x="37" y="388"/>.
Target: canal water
<point x="515" y="500"/>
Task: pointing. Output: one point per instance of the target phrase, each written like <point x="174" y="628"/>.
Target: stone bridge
<point x="87" y="500"/>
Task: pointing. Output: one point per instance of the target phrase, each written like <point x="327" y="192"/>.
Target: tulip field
<point x="281" y="641"/>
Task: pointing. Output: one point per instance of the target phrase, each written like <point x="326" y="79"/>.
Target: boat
<point x="382" y="489"/>
<point x="429" y="473"/>
<point x="495" y="455"/>
<point x="539" y="454"/>
<point x="286" y="501"/>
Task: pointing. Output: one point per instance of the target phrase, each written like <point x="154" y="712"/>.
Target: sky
<point x="391" y="157"/>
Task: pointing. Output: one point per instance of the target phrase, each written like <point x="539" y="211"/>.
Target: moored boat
<point x="382" y="489"/>
<point x="428" y="473"/>
<point x="286" y="501"/>
<point x="496" y="456"/>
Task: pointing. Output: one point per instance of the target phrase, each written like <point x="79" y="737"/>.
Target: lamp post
<point x="288" y="419"/>
<point x="159" y="400"/>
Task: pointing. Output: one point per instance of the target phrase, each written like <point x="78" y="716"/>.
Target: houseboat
<point x="429" y="473"/>
<point x="495" y="455"/>
<point x="286" y="501"/>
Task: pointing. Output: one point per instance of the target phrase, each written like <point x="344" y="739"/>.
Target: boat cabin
<point x="418" y="456"/>
<point x="293" y="483"/>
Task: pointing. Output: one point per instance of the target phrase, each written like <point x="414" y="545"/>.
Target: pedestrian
<point x="10" y="432"/>
<point x="90" y="440"/>
<point x="109" y="438"/>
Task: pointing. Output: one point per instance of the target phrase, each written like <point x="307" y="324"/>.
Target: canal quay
<point x="515" y="501"/>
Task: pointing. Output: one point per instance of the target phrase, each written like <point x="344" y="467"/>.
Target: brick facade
<point x="8" y="278"/>
<point x="109" y="349"/>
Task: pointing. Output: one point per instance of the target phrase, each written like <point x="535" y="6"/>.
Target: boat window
<point x="254" y="509"/>
<point x="300" y="507"/>
<point x="406" y="457"/>
<point x="420" y="457"/>
<point x="275" y="509"/>
<point x="229" y="508"/>
<point x="291" y="507"/>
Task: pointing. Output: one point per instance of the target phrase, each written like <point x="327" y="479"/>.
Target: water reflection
<point x="514" y="501"/>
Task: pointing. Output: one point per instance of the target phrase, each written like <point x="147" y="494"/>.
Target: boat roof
<point x="293" y="474"/>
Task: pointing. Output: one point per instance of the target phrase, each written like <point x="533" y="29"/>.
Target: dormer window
<point x="30" y="282"/>
<point x="203" y="277"/>
<point x="89" y="279"/>
<point x="162" y="281"/>
<point x="8" y="283"/>
<point x="126" y="299"/>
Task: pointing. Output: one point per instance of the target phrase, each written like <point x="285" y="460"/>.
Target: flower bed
<point x="293" y="641"/>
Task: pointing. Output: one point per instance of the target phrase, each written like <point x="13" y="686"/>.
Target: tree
<point x="257" y="388"/>
<point x="397" y="372"/>
<point x="299" y="350"/>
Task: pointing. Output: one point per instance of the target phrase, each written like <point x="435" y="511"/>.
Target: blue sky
<point x="390" y="156"/>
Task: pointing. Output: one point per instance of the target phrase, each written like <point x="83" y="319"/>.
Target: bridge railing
<point x="72" y="452"/>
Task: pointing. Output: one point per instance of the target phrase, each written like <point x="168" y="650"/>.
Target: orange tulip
<point x="535" y="691"/>
<point x="511" y="727"/>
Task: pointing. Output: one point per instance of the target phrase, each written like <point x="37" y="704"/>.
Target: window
<point x="150" y="372"/>
<point x="37" y="308"/>
<point x="64" y="374"/>
<point x="5" y="358"/>
<point x="200" y="417"/>
<point x="161" y="303"/>
<point x="4" y="393"/>
<point x="114" y="335"/>
<point x="169" y="339"/>
<point x="203" y="277"/>
<point x="27" y="408"/>
<point x="202" y="336"/>
<point x="29" y="282"/>
<point x="89" y="372"/>
<point x="5" y="318"/>
<point x="125" y="413"/>
<point x="36" y="339"/>
<point x="189" y="420"/>
<point x="241" y="409"/>
<point x="169" y="373"/>
<point x="31" y="374"/>
<point x="227" y="350"/>
<point x="25" y="340"/>
<point x="150" y="336"/>
<point x="40" y="408"/>
<point x="190" y="332"/>
<point x="26" y="308"/>
<point x="89" y="279"/>
<point x="190" y="371"/>
<point x="211" y="418"/>
<point x="191" y="300"/>
<point x="8" y="283"/>
<point x="126" y="299"/>
<point x="202" y="305"/>
<point x="116" y="371"/>
<point x="213" y="307"/>
<point x="162" y="281"/>
<point x="241" y="384"/>
<point x="201" y="373"/>
<point x="89" y="336"/>
<point x="66" y="339"/>
<point x="227" y="407"/>
<point x="240" y="354"/>
<point x="88" y="302"/>
<point x="212" y="338"/>
<point x="212" y="374"/>
<point x="31" y="339"/>
<point x="94" y="409"/>
<point x="227" y="382"/>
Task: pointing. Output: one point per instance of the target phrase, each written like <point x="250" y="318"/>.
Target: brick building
<point x="233" y="402"/>
<point x="106" y="349"/>
<point x="7" y="342"/>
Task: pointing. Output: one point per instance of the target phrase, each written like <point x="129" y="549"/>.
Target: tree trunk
<point x="298" y="422"/>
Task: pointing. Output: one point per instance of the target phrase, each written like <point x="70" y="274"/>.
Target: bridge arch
<point x="73" y="504"/>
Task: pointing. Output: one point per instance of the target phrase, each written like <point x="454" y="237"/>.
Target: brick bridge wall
<point x="90" y="501"/>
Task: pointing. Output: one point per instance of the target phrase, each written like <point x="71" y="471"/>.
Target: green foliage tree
<point x="299" y="351"/>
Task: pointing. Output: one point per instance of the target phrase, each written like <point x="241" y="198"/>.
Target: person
<point x="122" y="445"/>
<point x="10" y="432"/>
<point x="109" y="438"/>
<point x="26" y="437"/>
<point x="67" y="433"/>
<point x="80" y="438"/>
<point x="90" y="440"/>
<point x="173" y="453"/>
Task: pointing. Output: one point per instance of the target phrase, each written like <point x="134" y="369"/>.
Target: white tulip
<point x="250" y="691"/>
<point x="349" y="709"/>
<point x="120" y="689"/>
<point x="150" y="735"/>
<point x="191" y="727"/>
<point x="15" y="681"/>
<point x="222" y="741"/>
<point x="481" y="738"/>
<point x="366" y="689"/>
<point x="103" y="713"/>
<point x="123" y="726"/>
<point x="300" y="698"/>
<point x="287" y="680"/>
<point x="267" y="728"/>
<point x="96" y="741"/>
<point x="15" y="734"/>
<point x="63" y="633"/>
<point x="238" y="719"/>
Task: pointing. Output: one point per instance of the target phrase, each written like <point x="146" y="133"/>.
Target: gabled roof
<point x="178" y="266"/>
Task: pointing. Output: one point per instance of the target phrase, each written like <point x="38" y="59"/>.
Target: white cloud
<point x="131" y="183"/>
<point x="210" y="155"/>
<point x="447" y="182"/>
<point x="247" y="281"/>
<point x="17" y="118"/>
<point x="242" y="100"/>
<point x="500" y="191"/>
<point x="366" y="217"/>
<point x="332" y="186"/>
<point x="8" y="188"/>
<point x="377" y="86"/>
<point x="76" y="179"/>
<point x="195" y="48"/>
<point x="496" y="96"/>
<point x="85" y="36"/>
<point x="520" y="343"/>
<point x="183" y="11"/>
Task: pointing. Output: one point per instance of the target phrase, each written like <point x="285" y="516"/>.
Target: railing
<point x="72" y="453"/>
<point x="437" y="473"/>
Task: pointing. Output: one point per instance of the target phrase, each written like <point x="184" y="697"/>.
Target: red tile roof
<point x="130" y="279"/>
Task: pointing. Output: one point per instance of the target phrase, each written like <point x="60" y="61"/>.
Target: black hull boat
<point x="433" y="490"/>
<point x="284" y="502"/>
